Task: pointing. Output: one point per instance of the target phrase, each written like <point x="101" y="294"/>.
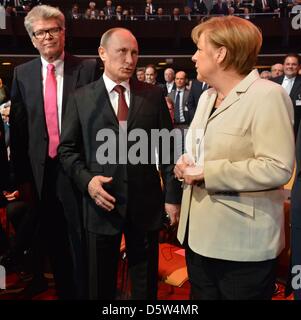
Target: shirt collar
<point x="110" y="84"/>
<point x="290" y="79"/>
<point x="58" y="63"/>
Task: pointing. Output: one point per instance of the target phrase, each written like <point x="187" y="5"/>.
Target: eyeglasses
<point x="41" y="34"/>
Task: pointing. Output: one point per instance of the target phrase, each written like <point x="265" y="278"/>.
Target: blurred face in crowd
<point x="52" y="45"/>
<point x="180" y="79"/>
<point x="291" y="67"/>
<point x="169" y="75"/>
<point x="140" y="74"/>
<point x="120" y="56"/>
<point x="160" y="11"/>
<point x="265" y="75"/>
<point x="277" y="70"/>
<point x="150" y="75"/>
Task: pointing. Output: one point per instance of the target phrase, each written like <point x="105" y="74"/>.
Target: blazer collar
<point x="234" y="94"/>
<point x="296" y="86"/>
<point x="136" y="101"/>
<point x="137" y="98"/>
<point x="35" y="76"/>
<point x="102" y="100"/>
<point x="71" y="75"/>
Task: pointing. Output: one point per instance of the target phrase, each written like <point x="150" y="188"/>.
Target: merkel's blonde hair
<point x="240" y="37"/>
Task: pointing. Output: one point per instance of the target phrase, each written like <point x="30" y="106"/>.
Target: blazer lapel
<point x="185" y="98"/>
<point x="229" y="100"/>
<point x="235" y="93"/>
<point x="102" y="101"/>
<point x="295" y="88"/>
<point x="71" y="74"/>
<point x="136" y="101"/>
<point x="37" y="90"/>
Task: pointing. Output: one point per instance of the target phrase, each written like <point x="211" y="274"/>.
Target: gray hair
<point x="43" y="12"/>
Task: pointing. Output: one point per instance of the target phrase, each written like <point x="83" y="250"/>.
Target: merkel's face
<point x="203" y="59"/>
<point x="291" y="67"/>
<point x="52" y="45"/>
<point x="120" y="56"/>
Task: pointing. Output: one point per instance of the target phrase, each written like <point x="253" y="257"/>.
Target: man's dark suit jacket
<point x="136" y="187"/>
<point x="195" y="92"/>
<point x="164" y="87"/>
<point x="172" y="95"/>
<point x="3" y="164"/>
<point x="28" y="132"/>
<point x="272" y="4"/>
<point x="296" y="212"/>
<point x="106" y="11"/>
<point x="295" y="95"/>
<point x="216" y="9"/>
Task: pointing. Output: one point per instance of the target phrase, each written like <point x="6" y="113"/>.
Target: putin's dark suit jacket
<point x="136" y="187"/>
<point x="295" y="95"/>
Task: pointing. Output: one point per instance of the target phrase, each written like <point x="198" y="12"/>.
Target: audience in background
<point x="291" y="82"/>
<point x="188" y="10"/>
<point x="151" y="74"/>
<point x="276" y="70"/>
<point x="169" y="77"/>
<point x="140" y="74"/>
<point x="265" y="74"/>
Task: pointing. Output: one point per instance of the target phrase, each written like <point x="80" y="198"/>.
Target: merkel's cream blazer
<point x="237" y="214"/>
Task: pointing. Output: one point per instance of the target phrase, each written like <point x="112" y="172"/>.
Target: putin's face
<point x="120" y="56"/>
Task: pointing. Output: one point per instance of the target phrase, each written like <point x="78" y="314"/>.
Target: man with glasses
<point x="39" y="95"/>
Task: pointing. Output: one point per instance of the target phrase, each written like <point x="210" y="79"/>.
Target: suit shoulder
<point x="154" y="89"/>
<point x="27" y="66"/>
<point x="277" y="79"/>
<point x="85" y="90"/>
<point x="89" y="63"/>
<point x="80" y="61"/>
<point x="266" y="86"/>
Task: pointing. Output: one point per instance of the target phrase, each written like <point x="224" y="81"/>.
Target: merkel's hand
<point x="193" y="179"/>
<point x="183" y="162"/>
<point x="102" y="198"/>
